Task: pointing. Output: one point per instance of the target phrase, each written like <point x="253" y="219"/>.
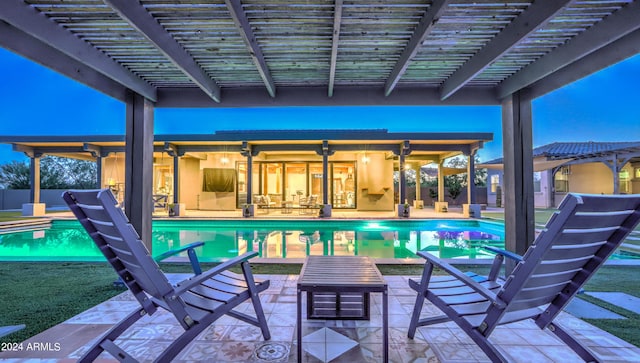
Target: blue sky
<point x="37" y="101"/>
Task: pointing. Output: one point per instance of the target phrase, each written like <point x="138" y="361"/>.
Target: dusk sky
<point x="38" y="101"/>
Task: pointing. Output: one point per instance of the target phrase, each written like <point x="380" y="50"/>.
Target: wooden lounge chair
<point x="196" y="302"/>
<point x="576" y="241"/>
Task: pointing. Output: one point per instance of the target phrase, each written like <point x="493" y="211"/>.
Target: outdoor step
<point x="584" y="309"/>
<point x="620" y="299"/>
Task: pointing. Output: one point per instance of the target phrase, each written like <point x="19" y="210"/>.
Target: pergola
<point x="232" y="53"/>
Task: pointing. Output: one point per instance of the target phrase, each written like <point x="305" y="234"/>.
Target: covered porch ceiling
<point x="232" y="53"/>
<point x="419" y="147"/>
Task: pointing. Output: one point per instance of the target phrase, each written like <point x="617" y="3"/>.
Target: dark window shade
<point x="218" y="180"/>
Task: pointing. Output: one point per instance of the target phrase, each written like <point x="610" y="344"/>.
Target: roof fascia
<point x="610" y="29"/>
<point x="533" y="18"/>
<point x="29" y="20"/>
<point x="27" y="46"/>
<point x="242" y="23"/>
<point x="62" y="138"/>
<point x="317" y="96"/>
<point x="335" y="39"/>
<point x="422" y="31"/>
<point x="139" y="18"/>
<point x="602" y="58"/>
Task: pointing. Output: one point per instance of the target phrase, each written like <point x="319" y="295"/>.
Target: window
<point x="291" y="181"/>
<point x="343" y="184"/>
<point x="561" y="180"/>
<point x="537" y="177"/>
<point x="624" y="185"/>
<point x="495" y="182"/>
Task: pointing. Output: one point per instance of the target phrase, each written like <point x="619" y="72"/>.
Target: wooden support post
<point x="138" y="203"/>
<point x="518" y="172"/>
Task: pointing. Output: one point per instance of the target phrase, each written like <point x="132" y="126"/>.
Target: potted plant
<point x="325" y="211"/>
<point x="405" y="211"/>
<point x="172" y="212"/>
<point x="247" y="210"/>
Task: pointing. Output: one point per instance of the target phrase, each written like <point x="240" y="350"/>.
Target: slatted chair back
<point x="116" y="238"/>
<point x="576" y="241"/>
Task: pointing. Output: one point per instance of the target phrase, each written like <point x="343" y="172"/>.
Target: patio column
<point x="325" y="172"/>
<point x="616" y="165"/>
<point x="97" y="153"/>
<point x="248" y="210"/>
<point x="551" y="189"/>
<point x="325" y="209"/>
<point x="138" y="202"/>
<point x="176" y="179"/>
<point x="179" y="209"/>
<point x="518" y="172"/>
<point x="34" y="207"/>
<point x="34" y="178"/>
<point x="402" y="187"/>
<point x="418" y="196"/>
<point x="616" y="174"/>
<point x="441" y="205"/>
<point x="471" y="209"/>
<point x="441" y="181"/>
<point x="99" y="163"/>
<point x="471" y="175"/>
<point x="249" y="174"/>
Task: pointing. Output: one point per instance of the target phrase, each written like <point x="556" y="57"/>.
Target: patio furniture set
<point x="305" y="205"/>
<point x="575" y="243"/>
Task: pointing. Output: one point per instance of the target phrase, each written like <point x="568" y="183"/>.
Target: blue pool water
<point x="65" y="240"/>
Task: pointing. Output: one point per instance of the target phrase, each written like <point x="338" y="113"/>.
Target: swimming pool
<point x="65" y="240"/>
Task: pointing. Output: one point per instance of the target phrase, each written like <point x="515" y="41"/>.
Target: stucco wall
<point x="189" y="181"/>
<point x="375" y="183"/>
<point x="595" y="178"/>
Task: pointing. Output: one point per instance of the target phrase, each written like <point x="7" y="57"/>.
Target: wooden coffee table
<point x="342" y="274"/>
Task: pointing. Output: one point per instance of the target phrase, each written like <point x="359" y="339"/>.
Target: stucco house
<point x="581" y="167"/>
<point x="345" y="169"/>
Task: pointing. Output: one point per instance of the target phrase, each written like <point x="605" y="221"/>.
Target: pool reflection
<point x="275" y="239"/>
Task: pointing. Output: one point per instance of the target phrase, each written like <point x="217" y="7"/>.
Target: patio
<point x="229" y="340"/>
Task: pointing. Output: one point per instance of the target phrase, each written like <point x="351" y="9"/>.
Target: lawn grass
<point x="12" y="216"/>
<point x="542" y="215"/>
<point x="45" y="294"/>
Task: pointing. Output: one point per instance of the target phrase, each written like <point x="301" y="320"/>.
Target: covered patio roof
<point x="215" y="53"/>
<point x="421" y="145"/>
<point x="566" y="153"/>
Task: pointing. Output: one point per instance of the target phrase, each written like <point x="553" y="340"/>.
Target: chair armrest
<point x="462" y="277"/>
<point x="499" y="259"/>
<point x="193" y="258"/>
<point x="198" y="279"/>
<point x="508" y="254"/>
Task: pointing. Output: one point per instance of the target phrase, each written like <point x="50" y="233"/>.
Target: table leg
<point x="385" y="326"/>
<point x="299" y="324"/>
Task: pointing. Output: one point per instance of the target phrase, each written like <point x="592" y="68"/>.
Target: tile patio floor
<point x="229" y="340"/>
